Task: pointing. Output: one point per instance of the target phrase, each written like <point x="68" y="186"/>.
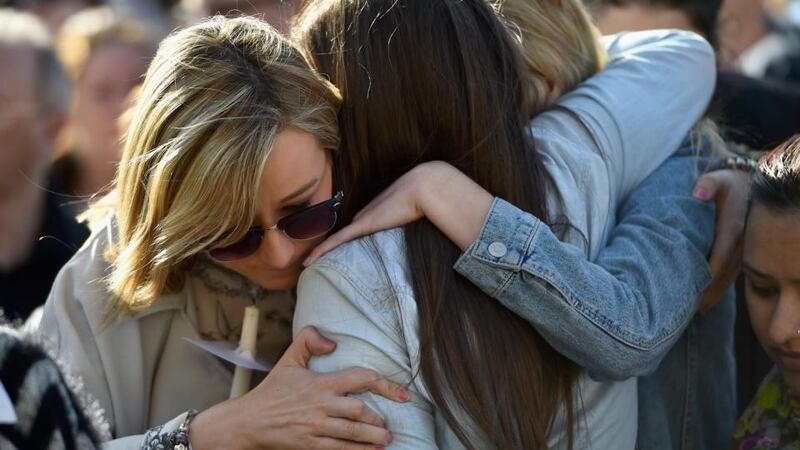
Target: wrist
<point x="210" y="429"/>
<point x="456" y="205"/>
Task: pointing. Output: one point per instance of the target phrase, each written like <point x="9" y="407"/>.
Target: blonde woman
<point x="231" y="128"/>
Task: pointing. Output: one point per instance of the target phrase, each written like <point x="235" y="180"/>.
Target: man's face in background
<point x="24" y="149"/>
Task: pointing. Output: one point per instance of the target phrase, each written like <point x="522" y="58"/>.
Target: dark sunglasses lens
<point x="245" y="247"/>
<point x="311" y="223"/>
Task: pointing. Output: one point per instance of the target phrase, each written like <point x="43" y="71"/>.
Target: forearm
<point x="455" y="204"/>
<point x="569" y="300"/>
<point x="212" y="428"/>
<point x="628" y="304"/>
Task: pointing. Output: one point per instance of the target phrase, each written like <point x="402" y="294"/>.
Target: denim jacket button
<point x="497" y="249"/>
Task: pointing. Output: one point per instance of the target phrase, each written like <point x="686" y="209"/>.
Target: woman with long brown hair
<point x="443" y="81"/>
<point x="226" y="184"/>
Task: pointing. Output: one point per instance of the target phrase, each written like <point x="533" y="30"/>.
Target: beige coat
<point x="140" y="369"/>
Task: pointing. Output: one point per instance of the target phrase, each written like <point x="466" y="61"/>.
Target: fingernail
<point x="403" y="395"/>
<point x="307" y="262"/>
<point x="701" y="193"/>
<point x="389" y="440"/>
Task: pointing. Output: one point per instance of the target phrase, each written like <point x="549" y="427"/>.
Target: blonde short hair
<point x="212" y="102"/>
<point x="561" y="45"/>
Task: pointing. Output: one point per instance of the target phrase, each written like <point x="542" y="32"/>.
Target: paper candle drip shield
<point x="244" y="353"/>
<point x="247" y="344"/>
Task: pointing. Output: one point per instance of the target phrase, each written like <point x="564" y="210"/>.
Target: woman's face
<point x="298" y="174"/>
<point x="101" y="96"/>
<point x="772" y="286"/>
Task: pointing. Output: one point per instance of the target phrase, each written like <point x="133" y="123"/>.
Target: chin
<point x="792" y="381"/>
<point x="279" y="282"/>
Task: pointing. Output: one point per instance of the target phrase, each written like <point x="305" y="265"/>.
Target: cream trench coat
<point x="139" y="368"/>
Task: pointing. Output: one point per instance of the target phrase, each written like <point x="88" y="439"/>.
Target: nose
<point x="276" y="251"/>
<point x="785" y="321"/>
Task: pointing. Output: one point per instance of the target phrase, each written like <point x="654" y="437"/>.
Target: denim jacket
<point x="631" y="303"/>
<point x="635" y="305"/>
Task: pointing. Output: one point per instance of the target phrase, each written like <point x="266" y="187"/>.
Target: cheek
<point x="761" y="312"/>
<point x="21" y="150"/>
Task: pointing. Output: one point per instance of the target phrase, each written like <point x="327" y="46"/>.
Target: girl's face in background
<point x="772" y="286"/>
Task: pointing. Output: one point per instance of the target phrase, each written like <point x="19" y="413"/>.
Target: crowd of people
<point x="406" y="224"/>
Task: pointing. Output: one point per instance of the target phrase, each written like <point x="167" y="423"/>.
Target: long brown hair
<point x="426" y="80"/>
<point x="776" y="183"/>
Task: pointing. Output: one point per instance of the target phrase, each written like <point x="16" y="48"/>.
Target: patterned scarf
<point x="772" y="421"/>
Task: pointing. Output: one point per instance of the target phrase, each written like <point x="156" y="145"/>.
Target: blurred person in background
<point x="52" y="12"/>
<point x="105" y="57"/>
<point x="613" y="16"/>
<point x="277" y="13"/>
<point x="34" y="97"/>
<point x="161" y="14"/>
<point x="756" y="112"/>
<point x="757" y="43"/>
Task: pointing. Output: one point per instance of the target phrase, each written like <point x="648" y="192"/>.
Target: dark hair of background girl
<point x="428" y="80"/>
<point x="776" y="183"/>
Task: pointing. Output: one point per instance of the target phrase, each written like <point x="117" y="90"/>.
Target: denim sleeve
<point x="619" y="315"/>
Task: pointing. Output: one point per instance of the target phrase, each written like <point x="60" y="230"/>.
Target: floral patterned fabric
<point x="772" y="421"/>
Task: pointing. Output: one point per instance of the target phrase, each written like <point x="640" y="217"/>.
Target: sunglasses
<point x="309" y="223"/>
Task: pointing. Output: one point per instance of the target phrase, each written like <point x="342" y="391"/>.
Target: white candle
<point x="247" y="343"/>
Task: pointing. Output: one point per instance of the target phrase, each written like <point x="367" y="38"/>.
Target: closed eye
<point x="291" y="209"/>
<point x="760" y="289"/>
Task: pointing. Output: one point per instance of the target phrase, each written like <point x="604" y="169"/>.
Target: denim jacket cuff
<point x="503" y="243"/>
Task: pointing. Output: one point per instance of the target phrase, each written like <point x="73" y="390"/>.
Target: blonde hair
<point x="210" y="107"/>
<point x="561" y="46"/>
<point x="83" y="33"/>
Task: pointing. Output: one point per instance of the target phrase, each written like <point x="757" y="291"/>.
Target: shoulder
<point x="374" y="265"/>
<point x="80" y="293"/>
<point x="361" y="285"/>
<point x="84" y="276"/>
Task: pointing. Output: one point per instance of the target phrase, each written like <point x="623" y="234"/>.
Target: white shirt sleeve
<point x="368" y="334"/>
<point x="639" y="109"/>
